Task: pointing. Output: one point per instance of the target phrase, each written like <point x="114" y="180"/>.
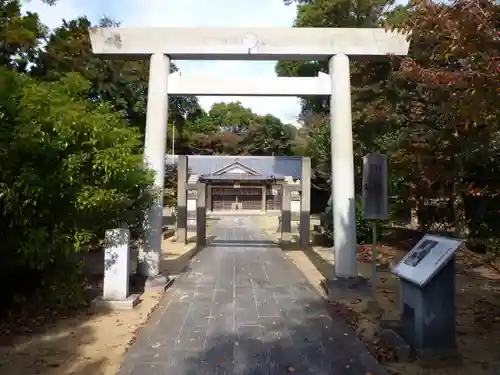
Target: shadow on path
<point x="245" y="309"/>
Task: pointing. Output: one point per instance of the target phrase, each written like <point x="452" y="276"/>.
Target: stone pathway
<point x="243" y="309"/>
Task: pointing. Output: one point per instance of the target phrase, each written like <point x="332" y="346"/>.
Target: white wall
<point x="236" y="170"/>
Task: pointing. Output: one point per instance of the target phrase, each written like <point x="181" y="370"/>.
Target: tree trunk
<point x="414" y="221"/>
<point x="423" y="224"/>
<point x="459" y="217"/>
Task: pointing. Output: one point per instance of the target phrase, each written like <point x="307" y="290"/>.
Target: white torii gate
<point x="160" y="45"/>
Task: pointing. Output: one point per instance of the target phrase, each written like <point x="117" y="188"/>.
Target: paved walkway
<point x="243" y="309"/>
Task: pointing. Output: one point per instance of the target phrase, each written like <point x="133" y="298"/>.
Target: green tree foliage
<point x="121" y="82"/>
<point x="269" y="136"/>
<point x="71" y="168"/>
<point x="19" y="35"/>
<point x="232" y="117"/>
<point x="363" y="226"/>
<point x="230" y="128"/>
<point x="170" y="185"/>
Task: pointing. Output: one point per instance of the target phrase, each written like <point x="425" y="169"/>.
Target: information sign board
<point x="426" y="258"/>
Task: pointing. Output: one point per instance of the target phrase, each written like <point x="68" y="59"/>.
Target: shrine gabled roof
<point x="238" y="166"/>
<point x="278" y="166"/>
<point x="239" y="177"/>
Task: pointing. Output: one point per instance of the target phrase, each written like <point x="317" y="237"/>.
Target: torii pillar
<point x="154" y="157"/>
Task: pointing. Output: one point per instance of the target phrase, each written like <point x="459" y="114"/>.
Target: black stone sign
<point x="375" y="198"/>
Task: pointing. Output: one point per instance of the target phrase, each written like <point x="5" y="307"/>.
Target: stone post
<point x="209" y="198"/>
<point x="116" y="265"/>
<point x="305" y="202"/>
<point x="117" y="269"/>
<point x="286" y="214"/>
<point x="344" y="215"/>
<point x="182" y="176"/>
<point x="264" y="193"/>
<point x="201" y="216"/>
<point x="154" y="158"/>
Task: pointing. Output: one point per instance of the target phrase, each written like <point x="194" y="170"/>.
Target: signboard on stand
<point x="426" y="259"/>
<point x="375" y="197"/>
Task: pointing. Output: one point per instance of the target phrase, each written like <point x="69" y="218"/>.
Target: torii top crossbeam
<point x="305" y="43"/>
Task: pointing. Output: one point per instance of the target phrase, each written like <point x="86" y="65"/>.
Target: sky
<point x="192" y="13"/>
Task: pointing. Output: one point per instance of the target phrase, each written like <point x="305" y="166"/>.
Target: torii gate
<point x="338" y="45"/>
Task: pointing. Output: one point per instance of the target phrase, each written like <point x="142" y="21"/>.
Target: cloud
<point x="193" y="13"/>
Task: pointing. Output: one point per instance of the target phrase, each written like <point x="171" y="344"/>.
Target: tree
<point x="230" y="128"/>
<point x="20" y="35"/>
<point x="457" y="76"/>
<point x="435" y="113"/>
<point x="71" y="168"/>
<point x="232" y="117"/>
<point x="269" y="136"/>
<point x="202" y="125"/>
<point x="121" y="82"/>
<point x="370" y="107"/>
<point x="170" y="186"/>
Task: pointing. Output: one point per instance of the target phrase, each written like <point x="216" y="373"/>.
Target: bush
<point x="170" y="186"/>
<point x="71" y="168"/>
<point x="483" y="218"/>
<point x="363" y="227"/>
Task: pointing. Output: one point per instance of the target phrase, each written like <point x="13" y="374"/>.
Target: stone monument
<point x="427" y="275"/>
<point x="116" y="293"/>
